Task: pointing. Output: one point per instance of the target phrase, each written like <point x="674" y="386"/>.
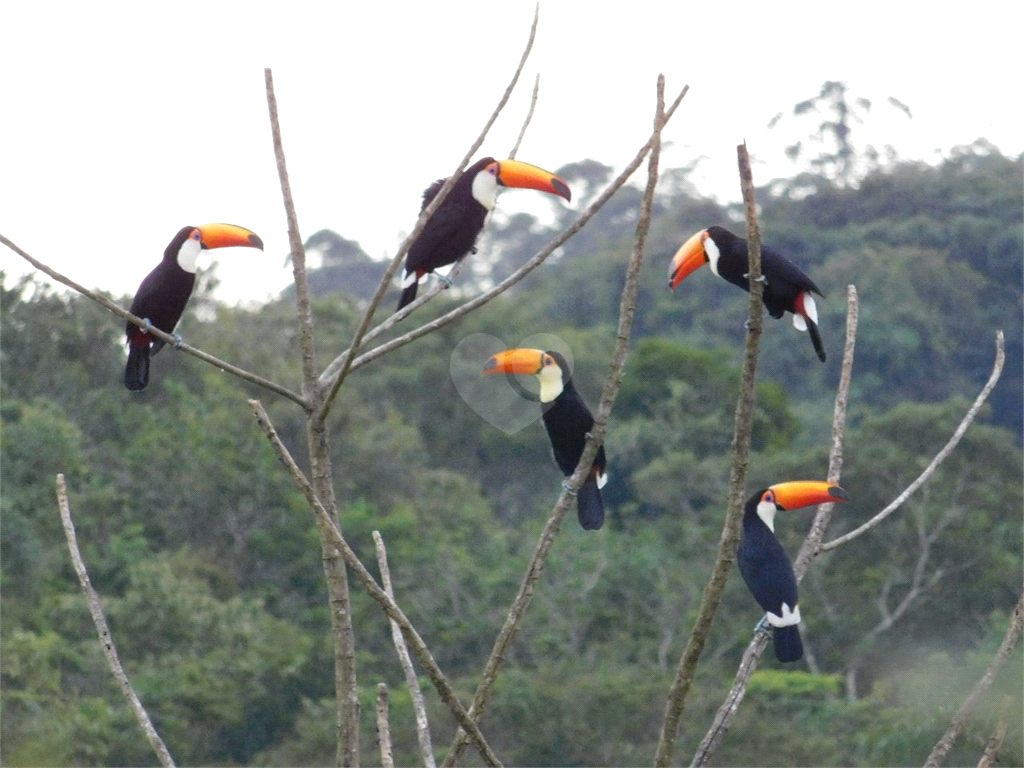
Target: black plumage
<point x="450" y="233"/>
<point x="161" y="298"/>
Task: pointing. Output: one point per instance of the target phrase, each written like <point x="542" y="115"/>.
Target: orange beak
<point x="689" y="258"/>
<point x="222" y="235"/>
<point x="526" y="361"/>
<point x="512" y="173"/>
<point x="803" y="493"/>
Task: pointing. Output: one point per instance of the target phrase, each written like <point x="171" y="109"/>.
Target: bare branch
<point x="944" y="744"/>
<point x="156" y="332"/>
<point x="422" y="726"/>
<point x="991" y="752"/>
<point x="439" y="198"/>
<point x="106" y="641"/>
<point x="336" y="540"/>
<point x="737" y="482"/>
<point x="751" y="656"/>
<point x="523" y="271"/>
<point x="387" y="760"/>
<point x="609" y="393"/>
<point x="298" y="251"/>
<point x="529" y="117"/>
<point x="997" y="369"/>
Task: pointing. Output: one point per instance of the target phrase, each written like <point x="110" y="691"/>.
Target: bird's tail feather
<point x="409" y="293"/>
<point x="788" y="646"/>
<point x="136" y="371"/>
<point x="819" y="347"/>
<point x="589" y="506"/>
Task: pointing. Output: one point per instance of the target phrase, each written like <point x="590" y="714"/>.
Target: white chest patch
<point x="550" y="383"/>
<point x="712" y="252"/>
<point x="766" y="511"/>
<point x="188" y="255"/>
<point x="788" y="617"/>
<point x="485" y="190"/>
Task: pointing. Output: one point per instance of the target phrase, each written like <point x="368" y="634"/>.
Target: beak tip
<point x="838" y="493"/>
<point x="561" y="188"/>
<point x="255" y="241"/>
<point x="489" y="366"/>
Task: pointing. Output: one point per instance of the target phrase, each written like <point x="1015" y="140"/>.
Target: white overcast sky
<point x="121" y="122"/>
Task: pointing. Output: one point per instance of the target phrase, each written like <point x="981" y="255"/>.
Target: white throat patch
<point x="712" y="252"/>
<point x="188" y="255"/>
<point x="766" y="511"/>
<point x="550" y="383"/>
<point x="485" y="189"/>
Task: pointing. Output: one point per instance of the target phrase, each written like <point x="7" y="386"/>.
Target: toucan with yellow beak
<point x="165" y="291"/>
<point x="452" y="231"/>
<point x="766" y="567"/>
<point x="786" y="287"/>
<point x="567" y="420"/>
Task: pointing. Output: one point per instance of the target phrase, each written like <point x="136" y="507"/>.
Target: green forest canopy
<point x="207" y="557"/>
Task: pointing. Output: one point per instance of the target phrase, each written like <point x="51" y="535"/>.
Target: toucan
<point x="452" y="231"/>
<point x="786" y="287"/>
<point x="162" y="296"/>
<point x="567" y="420"/>
<point x="766" y="567"/>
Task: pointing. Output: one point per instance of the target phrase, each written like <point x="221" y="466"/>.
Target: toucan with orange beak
<point x="165" y="291"/>
<point x="786" y="287"/>
<point x="567" y="420"/>
<point x="766" y="567"/>
<point x="452" y="231"/>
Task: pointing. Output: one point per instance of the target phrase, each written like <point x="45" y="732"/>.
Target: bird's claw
<point x="760" y="278"/>
<point x="568" y="488"/>
<point x="146" y="325"/>
<point x="762" y="625"/>
<point x="178" y="341"/>
<point x="445" y="279"/>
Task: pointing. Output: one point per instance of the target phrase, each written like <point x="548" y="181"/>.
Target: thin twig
<point x="298" y="251"/>
<point x="412" y="637"/>
<point x="997" y="370"/>
<point x="439" y="198"/>
<point x="156" y="332"/>
<point x="529" y="117"/>
<point x="594" y="441"/>
<point x="751" y="656"/>
<point x="387" y="759"/>
<point x="411" y="679"/>
<point x="944" y="744"/>
<point x="106" y="641"/>
<point x="991" y="753"/>
<point x="737" y="482"/>
<point x="523" y="271"/>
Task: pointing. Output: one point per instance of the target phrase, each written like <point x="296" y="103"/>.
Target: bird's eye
<point x="197" y="235"/>
<point x="769" y="498"/>
<point x="493" y="169"/>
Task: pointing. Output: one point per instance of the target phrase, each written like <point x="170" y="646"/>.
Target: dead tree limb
<point x="337" y="541"/>
<point x="418" y="705"/>
<point x="944" y="744"/>
<point x="737" y="482"/>
<point x="345" y="683"/>
<point x="188" y="349"/>
<point x="947" y="449"/>
<point x="991" y="753"/>
<point x="387" y="759"/>
<point x="748" y="663"/>
<point x="595" y="439"/>
<point x="106" y="640"/>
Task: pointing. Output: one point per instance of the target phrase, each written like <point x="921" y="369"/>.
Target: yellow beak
<point x="527" y="361"/>
<point x="512" y="173"/>
<point x="689" y="258"/>
<point x="803" y="493"/>
<point x="222" y="235"/>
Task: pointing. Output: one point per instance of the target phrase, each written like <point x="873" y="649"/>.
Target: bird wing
<point x="431" y="192"/>
<point x="787" y="270"/>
